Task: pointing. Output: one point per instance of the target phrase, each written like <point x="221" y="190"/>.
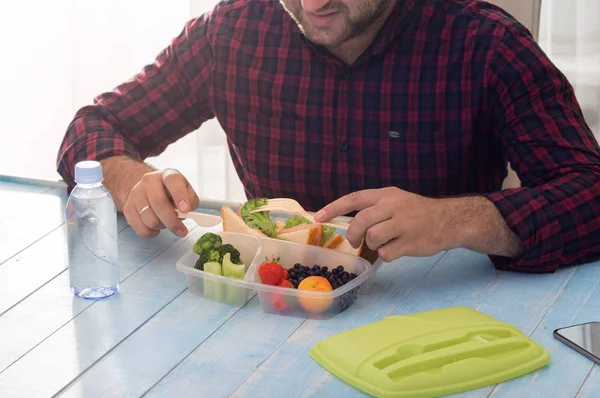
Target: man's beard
<point x="368" y="14"/>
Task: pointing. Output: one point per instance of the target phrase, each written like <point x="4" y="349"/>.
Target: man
<point x="403" y="112"/>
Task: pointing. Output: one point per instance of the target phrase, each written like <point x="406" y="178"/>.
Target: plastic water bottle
<point x="92" y="235"/>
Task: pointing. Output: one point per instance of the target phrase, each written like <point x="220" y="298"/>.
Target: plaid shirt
<point x="448" y="91"/>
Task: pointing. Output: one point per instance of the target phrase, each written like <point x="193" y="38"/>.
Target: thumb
<point x="177" y="186"/>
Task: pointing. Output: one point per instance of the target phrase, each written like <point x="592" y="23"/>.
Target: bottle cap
<point x="88" y="172"/>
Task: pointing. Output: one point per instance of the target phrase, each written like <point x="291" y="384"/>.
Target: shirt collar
<point x="394" y="25"/>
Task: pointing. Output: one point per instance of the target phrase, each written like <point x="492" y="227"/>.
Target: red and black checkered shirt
<point x="445" y="95"/>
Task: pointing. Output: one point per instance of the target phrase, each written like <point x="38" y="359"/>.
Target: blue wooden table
<point x="157" y="340"/>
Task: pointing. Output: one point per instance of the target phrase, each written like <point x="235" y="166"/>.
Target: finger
<point x="365" y="220"/>
<point x="392" y="250"/>
<point x="134" y="220"/>
<point x="177" y="187"/>
<point x="158" y="199"/>
<point x="354" y="201"/>
<point x="194" y="200"/>
<point x="150" y="219"/>
<point x="380" y="234"/>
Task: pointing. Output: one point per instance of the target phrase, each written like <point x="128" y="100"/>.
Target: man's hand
<point x="393" y="222"/>
<point x="150" y="206"/>
<point x="397" y="223"/>
<point x="148" y="197"/>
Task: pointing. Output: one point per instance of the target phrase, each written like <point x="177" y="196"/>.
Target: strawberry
<point x="279" y="302"/>
<point x="286" y="274"/>
<point x="285" y="283"/>
<point x="271" y="272"/>
<point x="283" y="302"/>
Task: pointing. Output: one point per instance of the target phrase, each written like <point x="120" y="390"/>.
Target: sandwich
<point x="295" y="229"/>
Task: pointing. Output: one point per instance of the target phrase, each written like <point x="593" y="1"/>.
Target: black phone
<point x="583" y="338"/>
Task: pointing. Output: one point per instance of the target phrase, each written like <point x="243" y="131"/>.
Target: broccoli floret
<point x="207" y="248"/>
<point x="214" y="256"/>
<point x="208" y="256"/>
<point x="234" y="253"/>
<point x="208" y="241"/>
<point x="294" y="221"/>
<point x="253" y="204"/>
<point x="260" y="220"/>
<point x="202" y="259"/>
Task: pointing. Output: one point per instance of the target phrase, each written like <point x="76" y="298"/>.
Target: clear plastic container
<point x="274" y="299"/>
<point x="220" y="288"/>
<point x="305" y="303"/>
<point x="368" y="285"/>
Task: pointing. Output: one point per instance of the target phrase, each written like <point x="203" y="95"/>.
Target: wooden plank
<point x="591" y="387"/>
<point x="26" y="215"/>
<point x="9" y="185"/>
<point x="225" y="360"/>
<point x="49" y="308"/>
<point x="458" y="278"/>
<point x="32" y="268"/>
<point x="32" y="182"/>
<point x="179" y="330"/>
<point x="88" y="337"/>
<point x="578" y="302"/>
<point x="42" y="261"/>
<point x="522" y="300"/>
<point x="157" y="347"/>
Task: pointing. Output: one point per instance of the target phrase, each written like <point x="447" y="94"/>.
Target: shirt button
<point x="343" y="146"/>
<point x="346" y="74"/>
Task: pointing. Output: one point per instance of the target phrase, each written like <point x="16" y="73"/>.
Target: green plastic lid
<point x="430" y="354"/>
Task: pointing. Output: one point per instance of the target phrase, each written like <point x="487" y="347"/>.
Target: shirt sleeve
<point x="537" y="119"/>
<point x="141" y="117"/>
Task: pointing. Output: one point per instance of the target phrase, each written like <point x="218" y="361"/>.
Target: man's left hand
<point x="393" y="222"/>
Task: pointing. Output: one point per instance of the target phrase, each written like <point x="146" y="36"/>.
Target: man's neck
<point x="349" y="51"/>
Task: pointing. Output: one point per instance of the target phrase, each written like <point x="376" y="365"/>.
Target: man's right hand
<point x="150" y="206"/>
<point x="148" y="197"/>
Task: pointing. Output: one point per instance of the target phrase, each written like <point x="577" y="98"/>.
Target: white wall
<point x="570" y="35"/>
<point x="59" y="54"/>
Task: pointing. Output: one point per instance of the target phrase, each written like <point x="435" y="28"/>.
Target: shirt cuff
<point x="94" y="146"/>
<point x="529" y="215"/>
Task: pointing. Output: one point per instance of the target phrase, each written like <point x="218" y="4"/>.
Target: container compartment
<point x="310" y="304"/>
<point x="219" y="288"/>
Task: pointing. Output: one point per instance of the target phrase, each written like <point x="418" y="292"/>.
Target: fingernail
<point x="180" y="233"/>
<point x="320" y="214"/>
<point x="182" y="204"/>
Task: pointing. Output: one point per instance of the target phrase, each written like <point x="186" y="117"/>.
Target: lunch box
<point x="274" y="299"/>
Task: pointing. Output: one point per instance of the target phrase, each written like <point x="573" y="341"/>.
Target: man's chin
<point x="323" y="38"/>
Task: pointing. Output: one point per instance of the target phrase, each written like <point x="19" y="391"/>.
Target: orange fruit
<point x="315" y="284"/>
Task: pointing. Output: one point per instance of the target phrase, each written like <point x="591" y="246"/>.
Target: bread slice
<point x="234" y="223"/>
<point x="308" y="234"/>
<point x="346" y="247"/>
<point x="334" y="241"/>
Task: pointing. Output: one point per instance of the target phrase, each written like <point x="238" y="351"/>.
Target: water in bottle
<point x="92" y="235"/>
